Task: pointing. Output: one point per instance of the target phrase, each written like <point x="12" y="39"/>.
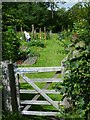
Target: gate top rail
<point x="37" y="69"/>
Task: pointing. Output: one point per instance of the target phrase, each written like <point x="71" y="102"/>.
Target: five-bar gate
<point x="37" y="91"/>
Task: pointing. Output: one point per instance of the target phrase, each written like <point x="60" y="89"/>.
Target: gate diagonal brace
<point x="40" y="91"/>
<point x="36" y="96"/>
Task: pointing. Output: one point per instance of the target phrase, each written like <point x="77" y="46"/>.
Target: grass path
<point x="51" y="55"/>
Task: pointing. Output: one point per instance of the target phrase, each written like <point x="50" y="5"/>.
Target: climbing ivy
<point x="76" y="76"/>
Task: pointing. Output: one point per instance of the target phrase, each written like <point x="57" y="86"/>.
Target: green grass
<point x="50" y="56"/>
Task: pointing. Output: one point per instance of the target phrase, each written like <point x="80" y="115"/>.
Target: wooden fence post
<point x="34" y="34"/>
<point x="40" y="33"/>
<point x="68" y="28"/>
<point x="62" y="28"/>
<point x="50" y="34"/>
<point x="6" y="98"/>
<point x="21" y="28"/>
<point x="44" y="33"/>
<point x="13" y="88"/>
<point x="32" y="30"/>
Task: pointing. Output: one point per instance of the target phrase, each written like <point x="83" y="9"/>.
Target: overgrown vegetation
<point x="76" y="76"/>
<point x="10" y="45"/>
<point x="14" y="116"/>
<point x="32" y="48"/>
<point x="37" y="43"/>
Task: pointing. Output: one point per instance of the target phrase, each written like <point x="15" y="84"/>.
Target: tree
<point x="38" y="13"/>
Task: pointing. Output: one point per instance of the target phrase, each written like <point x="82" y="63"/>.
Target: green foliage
<point x="76" y="77"/>
<point x="37" y="13"/>
<point x="31" y="48"/>
<point x="22" y="55"/>
<point x="65" y="40"/>
<point x="37" y="43"/>
<point x="13" y="116"/>
<point x="26" y="15"/>
<point x="10" y="45"/>
<point x="31" y="52"/>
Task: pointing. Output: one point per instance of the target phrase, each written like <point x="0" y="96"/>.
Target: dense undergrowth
<point x="76" y="77"/>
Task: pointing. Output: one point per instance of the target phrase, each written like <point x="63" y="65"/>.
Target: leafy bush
<point x="15" y="116"/>
<point x="65" y="38"/>
<point x="37" y="43"/>
<point x="10" y="45"/>
<point x="31" y="52"/>
<point x="76" y="77"/>
<point x="12" y="116"/>
<point x="22" y="55"/>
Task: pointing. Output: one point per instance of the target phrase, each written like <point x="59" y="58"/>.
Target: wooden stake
<point x="62" y="27"/>
<point x="40" y="33"/>
<point x="21" y="28"/>
<point x="50" y="33"/>
<point x="13" y="88"/>
<point x="44" y="33"/>
<point x="32" y="30"/>
<point x="35" y="34"/>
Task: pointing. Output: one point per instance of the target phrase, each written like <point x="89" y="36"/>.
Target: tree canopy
<point x="25" y="14"/>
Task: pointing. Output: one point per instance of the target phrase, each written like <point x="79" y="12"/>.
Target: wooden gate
<point x="38" y="91"/>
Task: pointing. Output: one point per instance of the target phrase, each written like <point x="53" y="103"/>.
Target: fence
<point x="38" y="91"/>
<point x="11" y="80"/>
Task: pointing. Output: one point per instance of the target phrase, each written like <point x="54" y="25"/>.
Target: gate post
<point x="13" y="88"/>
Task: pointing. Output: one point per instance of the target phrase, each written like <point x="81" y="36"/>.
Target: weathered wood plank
<point x="39" y="113"/>
<point x="38" y="95"/>
<point x="37" y="69"/>
<point x="13" y="88"/>
<point x="35" y="92"/>
<point x="43" y="80"/>
<point x="37" y="102"/>
<point x="46" y="80"/>
<point x="41" y="92"/>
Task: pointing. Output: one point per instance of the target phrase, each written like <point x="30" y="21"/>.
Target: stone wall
<point x="10" y="92"/>
<point x="6" y="97"/>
